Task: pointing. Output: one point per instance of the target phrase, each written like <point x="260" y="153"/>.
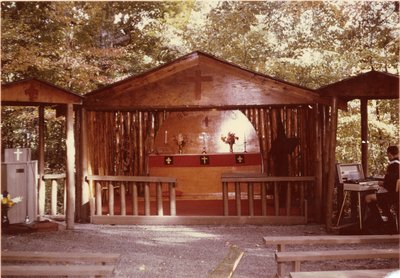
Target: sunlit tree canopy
<point x="82" y="46"/>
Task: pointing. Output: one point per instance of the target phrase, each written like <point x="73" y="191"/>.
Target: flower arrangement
<point x="6" y="204"/>
<point x="230" y="139"/>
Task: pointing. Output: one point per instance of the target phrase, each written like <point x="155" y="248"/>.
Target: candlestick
<point x="204" y="143"/>
<point x="245" y="142"/>
<point x="166" y="137"/>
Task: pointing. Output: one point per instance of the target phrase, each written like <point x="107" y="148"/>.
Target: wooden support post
<point x="65" y="196"/>
<point x="288" y="198"/>
<point x="160" y="211"/>
<point x="305" y="211"/>
<point x="70" y="147"/>
<point x="54" y="197"/>
<point x="123" y="199"/>
<point x="172" y="199"/>
<point x="98" y="199"/>
<point x="302" y="198"/>
<point x="110" y="198"/>
<point x="141" y="144"/>
<point x="331" y="172"/>
<point x="318" y="167"/>
<point x="238" y="199"/>
<point x="135" y="210"/>
<point x="276" y="198"/>
<point x="225" y="196"/>
<point x="250" y="196"/>
<point x="42" y="184"/>
<point x="364" y="135"/>
<point x="147" y="198"/>
<point x="86" y="193"/>
<point x="263" y="199"/>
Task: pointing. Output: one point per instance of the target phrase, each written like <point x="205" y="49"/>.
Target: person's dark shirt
<point x="392" y="175"/>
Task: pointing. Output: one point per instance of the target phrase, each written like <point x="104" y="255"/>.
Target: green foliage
<point x="383" y="131"/>
<point x="20" y="129"/>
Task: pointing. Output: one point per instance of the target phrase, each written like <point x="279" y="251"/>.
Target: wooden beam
<point x="364" y="135"/>
<point x="318" y="165"/>
<point x="332" y="160"/>
<point x="198" y="220"/>
<point x="227" y="266"/>
<point x="70" y="147"/>
<point x="42" y="184"/>
<point x="132" y="179"/>
<point x="85" y="198"/>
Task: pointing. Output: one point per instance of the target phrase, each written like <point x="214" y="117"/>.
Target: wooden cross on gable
<point x="32" y="92"/>
<point x="198" y="79"/>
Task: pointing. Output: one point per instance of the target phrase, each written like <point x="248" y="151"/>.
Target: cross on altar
<point x="239" y="159"/>
<point x="168" y="160"/>
<point x="204" y="160"/>
<point x="198" y="79"/>
<point x="18" y="153"/>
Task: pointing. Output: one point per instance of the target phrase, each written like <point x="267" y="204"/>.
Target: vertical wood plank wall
<point x="118" y="142"/>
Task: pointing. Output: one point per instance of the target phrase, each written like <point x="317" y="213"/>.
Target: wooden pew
<point x="300" y="256"/>
<point x="57" y="270"/>
<point x="282" y="241"/>
<point x="57" y="263"/>
<point x="363" y="273"/>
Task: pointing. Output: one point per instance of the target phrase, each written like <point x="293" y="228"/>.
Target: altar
<point x="199" y="175"/>
<point x="197" y="147"/>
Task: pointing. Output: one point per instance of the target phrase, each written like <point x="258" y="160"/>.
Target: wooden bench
<point x="57" y="263"/>
<point x="281" y="241"/>
<point x="364" y="273"/>
<point x="57" y="270"/>
<point x="300" y="256"/>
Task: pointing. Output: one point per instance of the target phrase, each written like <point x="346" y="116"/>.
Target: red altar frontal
<point x="200" y="175"/>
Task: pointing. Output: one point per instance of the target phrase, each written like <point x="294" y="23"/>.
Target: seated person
<point x="386" y="196"/>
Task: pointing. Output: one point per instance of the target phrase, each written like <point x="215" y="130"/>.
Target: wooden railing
<point x="108" y="183"/>
<point x="264" y="181"/>
<point x="56" y="181"/>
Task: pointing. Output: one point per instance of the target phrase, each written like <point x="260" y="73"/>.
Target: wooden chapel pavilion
<point x="35" y="92"/>
<point x="177" y="121"/>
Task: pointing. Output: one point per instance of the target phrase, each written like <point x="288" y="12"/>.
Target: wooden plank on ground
<point x="34" y="256"/>
<point x="57" y="270"/>
<point x="227" y="266"/>
<point x="364" y="273"/>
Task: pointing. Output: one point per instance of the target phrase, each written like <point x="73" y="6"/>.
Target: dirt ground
<point x="186" y="251"/>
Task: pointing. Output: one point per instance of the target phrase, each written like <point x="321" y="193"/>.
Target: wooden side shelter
<point x="365" y="86"/>
<point x="35" y="92"/>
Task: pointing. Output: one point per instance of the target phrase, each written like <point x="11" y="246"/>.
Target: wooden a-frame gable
<point x="196" y="81"/>
<point x="34" y="92"/>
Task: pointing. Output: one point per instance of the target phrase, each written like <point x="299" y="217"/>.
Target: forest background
<point x="81" y="46"/>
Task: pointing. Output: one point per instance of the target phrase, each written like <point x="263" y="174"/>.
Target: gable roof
<point x="199" y="80"/>
<point x="34" y="91"/>
<point x="369" y="85"/>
